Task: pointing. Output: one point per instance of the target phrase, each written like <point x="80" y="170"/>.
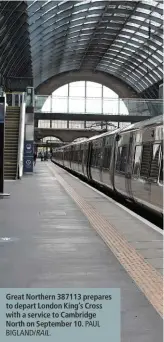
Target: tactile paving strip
<point x="145" y="276"/>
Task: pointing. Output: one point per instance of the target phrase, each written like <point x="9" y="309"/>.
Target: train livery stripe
<point x="145" y="276"/>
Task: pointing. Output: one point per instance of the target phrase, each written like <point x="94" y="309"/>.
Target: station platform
<point x="57" y="231"/>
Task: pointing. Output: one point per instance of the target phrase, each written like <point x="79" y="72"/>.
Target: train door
<point x="89" y="161"/>
<point x="156" y="177"/>
<point x="122" y="152"/>
<point x="85" y="160"/>
<point x="107" y="170"/>
<point x="113" y="160"/>
<point x="102" y="149"/>
<point x="71" y="157"/>
<point x="129" y="169"/>
<point x="144" y="184"/>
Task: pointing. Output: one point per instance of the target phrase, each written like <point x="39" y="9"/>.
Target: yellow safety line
<point x="147" y="278"/>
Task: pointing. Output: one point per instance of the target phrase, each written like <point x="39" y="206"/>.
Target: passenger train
<point x="127" y="161"/>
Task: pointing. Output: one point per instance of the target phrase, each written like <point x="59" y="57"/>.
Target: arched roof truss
<point x="15" y="57"/>
<point x="122" y="38"/>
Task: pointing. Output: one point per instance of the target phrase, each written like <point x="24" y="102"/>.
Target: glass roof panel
<point x="110" y="35"/>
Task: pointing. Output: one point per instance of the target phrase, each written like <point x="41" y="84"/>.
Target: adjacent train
<point x="128" y="161"/>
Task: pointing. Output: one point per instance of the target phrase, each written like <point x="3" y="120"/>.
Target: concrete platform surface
<point x="46" y="242"/>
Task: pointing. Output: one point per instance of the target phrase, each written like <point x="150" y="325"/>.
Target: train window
<point x="161" y="168"/>
<point x="137" y="161"/>
<point x="123" y="163"/>
<point x="85" y="156"/>
<point x="107" y="157"/>
<point x="118" y="159"/>
<point x="98" y="156"/>
<point x="154" y="169"/>
<point x="122" y="158"/>
<point x="147" y="152"/>
<point x="93" y="155"/>
<point x="161" y="171"/>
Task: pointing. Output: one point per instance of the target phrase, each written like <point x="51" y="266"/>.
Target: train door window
<point x="122" y="158"/>
<point x="154" y="169"/>
<point x="82" y="151"/>
<point x="123" y="162"/>
<point x="79" y="155"/>
<point x="161" y="167"/>
<point x="98" y="157"/>
<point x="93" y="157"/>
<point x="72" y="154"/>
<point x="146" y="160"/>
<point x="107" y="157"/>
<point x="79" y="161"/>
<point x="137" y="160"/>
<point x="118" y="159"/>
<point x="85" y="155"/>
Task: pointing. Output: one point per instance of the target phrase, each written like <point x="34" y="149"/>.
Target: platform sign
<point x="1" y="113"/>
<point x="2" y="136"/>
<point x="28" y="156"/>
<point x="28" y="148"/>
<point x="28" y="164"/>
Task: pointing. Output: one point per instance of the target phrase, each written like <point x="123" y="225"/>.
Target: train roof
<point x="155" y="120"/>
<point x="90" y="139"/>
<point x="104" y="134"/>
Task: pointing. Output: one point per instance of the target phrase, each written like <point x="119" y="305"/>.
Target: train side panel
<point x="129" y="161"/>
<point x="108" y="160"/>
<point x="147" y="175"/>
<point x="96" y="159"/>
<point x="121" y="167"/>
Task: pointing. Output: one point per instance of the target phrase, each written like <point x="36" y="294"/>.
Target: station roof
<point x="15" y="56"/>
<point x="121" y="38"/>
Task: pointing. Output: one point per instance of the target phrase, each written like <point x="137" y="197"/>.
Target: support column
<point x="51" y="112"/>
<point x="85" y="105"/>
<point x="36" y="123"/>
<point x="68" y="106"/>
<point x="29" y="132"/>
<point x="2" y="138"/>
<point x="118" y="111"/>
<point x="2" y="143"/>
<point x="102" y="96"/>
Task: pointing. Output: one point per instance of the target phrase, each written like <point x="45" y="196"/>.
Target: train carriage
<point x="129" y="161"/>
<point x="139" y="166"/>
